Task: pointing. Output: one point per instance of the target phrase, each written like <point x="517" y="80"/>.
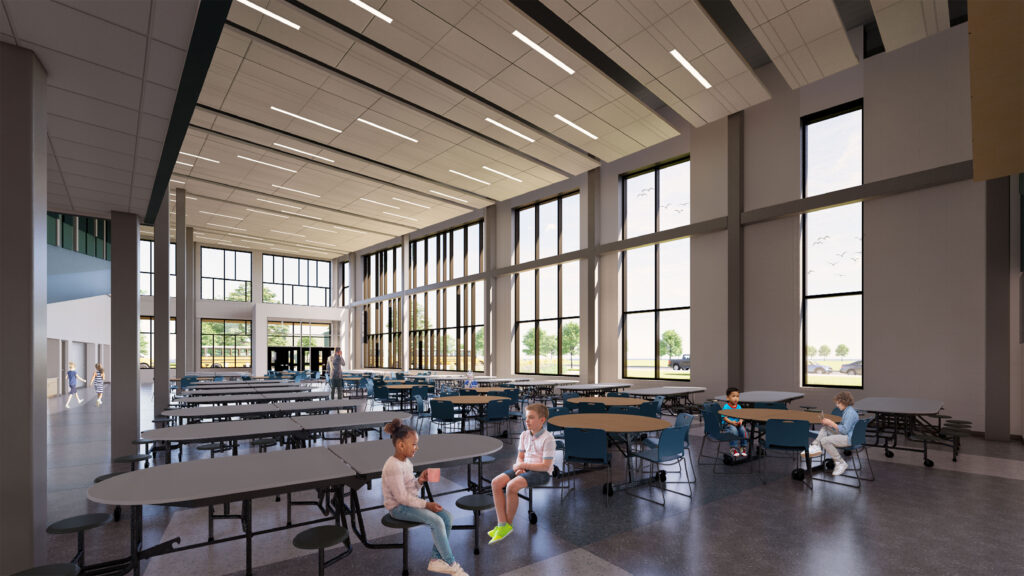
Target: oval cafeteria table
<point x="251" y="398"/>
<point x="677" y="398"/>
<point x="190" y="392"/>
<point x="243" y="478"/>
<point x="904" y="416"/>
<point x="607" y="400"/>
<point x="270" y="409"/>
<point x="766" y="396"/>
<point x="472" y="403"/>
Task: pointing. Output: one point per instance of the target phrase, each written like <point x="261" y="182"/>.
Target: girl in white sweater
<point x="401" y="498"/>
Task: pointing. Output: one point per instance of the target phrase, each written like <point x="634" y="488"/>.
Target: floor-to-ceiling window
<point x="225" y="343"/>
<point x="147" y="266"/>
<point x="833" y="256"/>
<point x="146" y="341"/>
<point x="382" y="320"/>
<point x="225" y="275"/>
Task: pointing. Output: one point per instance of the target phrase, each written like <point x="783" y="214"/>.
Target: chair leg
<point x="320" y="562"/>
<point x="405" y="552"/>
<point x="476" y="532"/>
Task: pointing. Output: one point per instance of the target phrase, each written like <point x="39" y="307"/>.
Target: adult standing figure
<point x="97" y="383"/>
<point x="334" y="371"/>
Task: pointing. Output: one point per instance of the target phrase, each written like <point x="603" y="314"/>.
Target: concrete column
<point x="490" y="287"/>
<point x="356" y="313"/>
<point x="406" y="302"/>
<point x="997" y="310"/>
<point x="22" y="309"/>
<point x="123" y="384"/>
<point x="191" y="349"/>
<point x="735" y="250"/>
<point x="161" y="307"/>
<point x="590" y="206"/>
<point x="183" y="261"/>
<point x="258" y="331"/>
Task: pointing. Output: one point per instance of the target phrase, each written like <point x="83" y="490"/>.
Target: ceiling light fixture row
<point x="507" y="129"/>
<point x="575" y="125"/>
<point x="400" y="216"/>
<point x="297" y="151"/>
<point x="502" y="174"/>
<point x="199" y="157"/>
<point x="689" y="68"/>
<point x="268" y="164"/>
<point x="388" y="130"/>
<point x="470" y="177"/>
<point x="270" y="14"/>
<point x="537" y="48"/>
<point x="372" y="10"/>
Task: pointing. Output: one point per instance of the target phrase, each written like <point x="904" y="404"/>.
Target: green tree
<point x="842" y="351"/>
<point x="535" y="341"/>
<point x="824" y="351"/>
<point x="241" y="293"/>
<point x="812" y="351"/>
<point x="479" y="339"/>
<point x="671" y="344"/>
<point x="571" y="340"/>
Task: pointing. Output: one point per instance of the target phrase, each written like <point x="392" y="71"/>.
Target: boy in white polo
<point x="533" y="467"/>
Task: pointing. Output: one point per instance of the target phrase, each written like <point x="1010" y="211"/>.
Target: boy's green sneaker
<point x="500" y="533"/>
<point x="493" y="531"/>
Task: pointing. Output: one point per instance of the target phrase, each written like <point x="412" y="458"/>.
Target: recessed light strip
<point x="288" y="233"/>
<point x="574" y="125"/>
<point x="177" y="182"/>
<point x="322" y="243"/>
<point x="542" y="51"/>
<point x="349" y="229"/>
<point x="278" y="203"/>
<point x="199" y="157"/>
<point x="216" y="214"/>
<point x="266" y="12"/>
<point x="507" y="129"/>
<point x="302" y="215"/>
<point x="456" y="198"/>
<point x="304" y="119"/>
<point x="184" y="163"/>
<point x="470" y="177"/>
<point x="412" y="203"/>
<point x="310" y="154"/>
<point x="225" y="226"/>
<point x="501" y="174"/>
<point x="372" y="10"/>
<point x="315" y="228"/>
<point x="296" y="191"/>
<point x="265" y="213"/>
<point x="388" y="130"/>
<point x="269" y="164"/>
<point x="400" y="216"/>
<point x="689" y="68"/>
<point x="379" y="203"/>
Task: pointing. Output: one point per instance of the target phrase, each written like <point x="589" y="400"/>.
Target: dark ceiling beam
<point x="440" y="118"/>
<point x="210" y="20"/>
<point x="293" y="201"/>
<point x="451" y="84"/>
<point x="339" y="151"/>
<point x="736" y="31"/>
<point x="567" y="35"/>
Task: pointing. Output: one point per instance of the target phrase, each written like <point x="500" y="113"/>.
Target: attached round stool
<point x="476" y="503"/>
<point x="322" y="537"/>
<point x="213" y="447"/>
<point x="50" y="570"/>
<point x="162" y="421"/>
<point x="98" y="479"/>
<point x="392" y="522"/>
<point x="133" y="460"/>
<point x="264" y="443"/>
<point x="78" y="524"/>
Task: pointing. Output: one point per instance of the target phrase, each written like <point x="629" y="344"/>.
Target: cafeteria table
<point x="904" y="416"/>
<point x="539" y="390"/>
<point x="191" y="392"/>
<point x="264" y="410"/>
<point x="473" y="405"/>
<point x="405" y="392"/>
<point x="677" y="398"/>
<point x="766" y="396"/>
<point x="607" y="400"/>
<point x="330" y="470"/>
<point x="751" y="415"/>
<point x="593" y="389"/>
<point x="250" y="398"/>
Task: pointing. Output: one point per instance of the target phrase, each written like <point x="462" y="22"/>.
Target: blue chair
<point x="497" y="412"/>
<point x="422" y="407"/>
<point x="382" y="395"/>
<point x="671" y="449"/>
<point x="566" y="396"/>
<point x="858" y="445"/>
<point x="713" y="432"/>
<point x="771" y="405"/>
<point x="587" y="448"/>
<point x="660" y="402"/>
<point x="468" y="392"/>
<point x="789" y="436"/>
<point x="591" y="408"/>
<point x="634" y="410"/>
<point x="683" y="421"/>
<point x="218" y="378"/>
<point x="443" y="415"/>
<point x="618" y="394"/>
<point x="649" y="409"/>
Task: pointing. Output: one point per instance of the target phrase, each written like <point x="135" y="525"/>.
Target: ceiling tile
<point x="131" y="15"/>
<point x="89" y="79"/>
<point x="173" y="21"/>
<point x="164" y="64"/>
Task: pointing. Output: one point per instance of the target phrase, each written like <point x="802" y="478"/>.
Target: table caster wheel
<point x="928" y="463"/>
<point x="533" y="517"/>
<point x="797" y="474"/>
<point x="727" y="459"/>
<point x="662" y="475"/>
<point x="830" y="464"/>
<point x="117" y="513"/>
<point x="604" y="488"/>
<point x="611" y="490"/>
<point x="555" y="472"/>
<point x="889" y="454"/>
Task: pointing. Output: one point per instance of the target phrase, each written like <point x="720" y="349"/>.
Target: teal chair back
<point x="586" y="445"/>
<point x="787" y="434"/>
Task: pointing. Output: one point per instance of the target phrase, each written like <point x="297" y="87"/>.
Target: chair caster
<point x="555" y="472"/>
<point x="797" y="474"/>
<point x="533" y="517"/>
<point x="830" y="464"/>
<point x="662" y="476"/>
<point x="607" y="489"/>
<point x="889" y="454"/>
<point x="928" y="463"/>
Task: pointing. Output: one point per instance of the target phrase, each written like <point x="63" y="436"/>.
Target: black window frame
<point x="287" y="288"/>
<point x="225" y="279"/>
<point x="203" y="322"/>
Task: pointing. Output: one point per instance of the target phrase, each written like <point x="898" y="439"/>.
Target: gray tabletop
<point x="541" y="383"/>
<point x="909" y="406"/>
<point x="326" y="422"/>
<point x="242" y="390"/>
<point x="270" y="408"/>
<point x="593" y="387"/>
<point x="765" y="396"/>
<point x="367" y="458"/>
<point x="237" y="384"/>
<point x="242" y="429"/>
<point x="218" y="479"/>
<point x="247" y="398"/>
<point x="666" y="391"/>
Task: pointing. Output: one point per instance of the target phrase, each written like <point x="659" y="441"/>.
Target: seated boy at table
<point x="833" y="436"/>
<point x="532" y="468"/>
<point x="734" y="426"/>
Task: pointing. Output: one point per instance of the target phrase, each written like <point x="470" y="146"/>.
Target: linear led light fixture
<point x="310" y="154"/>
<point x="574" y="125"/>
<point x="304" y="119"/>
<point x="266" y="12"/>
<point x="199" y="157"/>
<point x="278" y="203"/>
<point x="187" y="197"/>
<point x="456" y="198"/>
<point x="542" y="51"/>
<point x="265" y="213"/>
<point x="388" y="130"/>
<point x="349" y="229"/>
<point x="372" y="10"/>
<point x="322" y="243"/>
<point x="242" y="236"/>
<point x="221" y="215"/>
<point x="400" y="216"/>
<point x="379" y="203"/>
<point x="296" y="191"/>
<point x="269" y="164"/>
<point x="315" y="228"/>
<point x="408" y="202"/>
<point x="303" y="215"/>
<point x="288" y="233"/>
<point x="184" y="163"/>
<point x="177" y="182"/>
<point x="226" y="226"/>
<point x="470" y="177"/>
<point x="507" y="129"/>
<point x="501" y="174"/>
<point x="689" y="68"/>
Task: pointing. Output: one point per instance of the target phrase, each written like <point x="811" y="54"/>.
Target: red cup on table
<point x="433" y="474"/>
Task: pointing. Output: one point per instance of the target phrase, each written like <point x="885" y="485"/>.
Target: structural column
<point x="191" y="350"/>
<point x="22" y="309"/>
<point x="182" y="263"/>
<point x="997" y="309"/>
<point x="735" y="249"/>
<point x="122" y="392"/>
<point x="588" y="277"/>
<point x="161" y="308"/>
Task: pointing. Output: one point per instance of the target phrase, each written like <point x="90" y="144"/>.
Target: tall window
<point x="147" y="267"/>
<point x="346" y="284"/>
<point x="382" y="272"/>
<point x="447" y="329"/>
<point x="548" y="228"/>
<point x="833" y="251"/>
<point x="296" y="281"/>
<point x="382" y="334"/>
<point x="146" y="342"/>
<point x="226" y="344"/>
<point x="656" y="199"/>
<point x="448" y="255"/>
<point x="656" y="311"/>
<point x="298" y="334"/>
<point x="548" y="320"/>
<point x="226" y="275"/>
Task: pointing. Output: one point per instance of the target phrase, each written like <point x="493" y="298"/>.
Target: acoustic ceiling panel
<point x="903" y="22"/>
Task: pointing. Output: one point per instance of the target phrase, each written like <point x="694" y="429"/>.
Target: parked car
<point x="853" y="368"/>
<point x="815" y="368"/>
<point x="680" y="363"/>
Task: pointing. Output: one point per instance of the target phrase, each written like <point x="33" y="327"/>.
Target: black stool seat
<point x="78" y="523"/>
<point x="99" y="479"/>
<point x="486" y="459"/>
<point x="963" y="422"/>
<point x="140" y="441"/>
<point x="210" y="446"/>
<point x="475" y="502"/>
<point x="392" y="522"/>
<point x="131" y="458"/>
<point x="320" y="537"/>
<point x="264" y="442"/>
<point x="952" y="431"/>
<point x="160" y="419"/>
<point x="50" y="570"/>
